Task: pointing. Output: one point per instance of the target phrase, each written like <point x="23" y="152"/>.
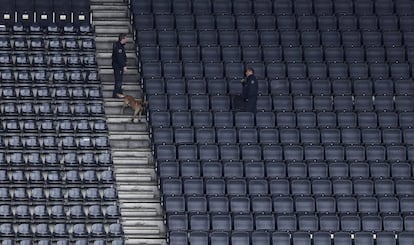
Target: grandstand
<point x="326" y="159"/>
<point x="58" y="184"/>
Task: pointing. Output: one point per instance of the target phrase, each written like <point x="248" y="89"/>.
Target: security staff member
<point x="119" y="60"/>
<point x="250" y="90"/>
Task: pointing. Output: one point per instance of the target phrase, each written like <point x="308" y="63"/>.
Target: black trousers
<point x="250" y="104"/>
<point x="119" y="76"/>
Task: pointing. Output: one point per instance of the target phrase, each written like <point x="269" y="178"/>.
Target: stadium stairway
<point x="139" y="197"/>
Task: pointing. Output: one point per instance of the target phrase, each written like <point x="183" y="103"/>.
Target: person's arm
<point x="119" y="56"/>
<point x="124" y="60"/>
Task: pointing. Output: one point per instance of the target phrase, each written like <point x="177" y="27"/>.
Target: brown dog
<point x="137" y="105"/>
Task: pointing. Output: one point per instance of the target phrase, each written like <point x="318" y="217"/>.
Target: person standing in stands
<point x="250" y="90"/>
<point x="119" y="65"/>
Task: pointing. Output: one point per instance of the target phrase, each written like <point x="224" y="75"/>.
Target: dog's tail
<point x="142" y="101"/>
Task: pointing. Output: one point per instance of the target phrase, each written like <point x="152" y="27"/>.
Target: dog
<point x="137" y="105"/>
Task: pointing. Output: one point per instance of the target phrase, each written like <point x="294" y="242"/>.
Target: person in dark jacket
<point x="119" y="65"/>
<point x="250" y="90"/>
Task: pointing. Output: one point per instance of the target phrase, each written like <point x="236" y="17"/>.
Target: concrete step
<point x="137" y="155"/>
<point x="138" y="195"/>
<point x="112" y="30"/>
<point x="131" y="85"/>
<point x="126" y="118"/>
<point x="146" y="241"/>
<point x="105" y="58"/>
<point x="151" y="206"/>
<point x="104" y="45"/>
<point x="109" y="2"/>
<point x="140" y="213"/>
<point x="102" y="13"/>
<point x="131" y="81"/>
<point x="111" y="22"/>
<point x="105" y="8"/>
<point x="129" y="144"/>
<point x="107" y="94"/>
<point x="124" y="171"/>
<point x="127" y="172"/>
<point x="115" y="105"/>
<point x="138" y="136"/>
<point x="138" y="178"/>
<point x="125" y="125"/>
<point x="131" y="190"/>
<point x="143" y="159"/>
<point x="106" y="74"/>
<point x="146" y="223"/>
<point x="110" y="38"/>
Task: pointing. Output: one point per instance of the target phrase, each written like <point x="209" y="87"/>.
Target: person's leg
<point x="251" y="105"/>
<point x="118" y="75"/>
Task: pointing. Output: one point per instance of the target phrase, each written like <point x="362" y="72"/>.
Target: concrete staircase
<point x="139" y="196"/>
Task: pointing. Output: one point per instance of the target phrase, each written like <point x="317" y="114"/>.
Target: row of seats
<point x="269" y="54"/>
<point x="62" y="241"/>
<point x="300" y="104"/>
<point x="257" y="152"/>
<point x="84" y="177"/>
<point x="77" y="230"/>
<point x="42" y="127"/>
<point x="62" y="108"/>
<point x="272" y="37"/>
<point x="52" y="159"/>
<point x="28" y="12"/>
<point x="378" y="171"/>
<point x="295" y="187"/>
<point x="346" y="136"/>
<point x="54" y="142"/>
<point x="277" y="7"/>
<point x="35" y="44"/>
<point x="279" y="204"/>
<point x="289" y="222"/>
<point x="369" y="120"/>
<point x="38" y="213"/>
<point x="41" y="76"/>
<point x="271" y="22"/>
<point x="288" y="238"/>
<point x="315" y="87"/>
<point x="84" y="195"/>
<point x="280" y="70"/>
<point x="57" y="60"/>
<point x="61" y="91"/>
<point x="46" y="29"/>
<point x="362" y="104"/>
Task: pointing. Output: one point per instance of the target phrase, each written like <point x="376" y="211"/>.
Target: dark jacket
<point x="119" y="58"/>
<point x="250" y="87"/>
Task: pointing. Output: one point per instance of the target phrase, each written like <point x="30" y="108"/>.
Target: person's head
<point x="122" y="38"/>
<point x="249" y="71"/>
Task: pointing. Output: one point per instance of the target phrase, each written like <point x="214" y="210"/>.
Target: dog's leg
<point x="139" y="115"/>
<point x="136" y="111"/>
<point x="123" y="108"/>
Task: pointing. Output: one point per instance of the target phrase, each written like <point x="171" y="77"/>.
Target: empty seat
<point x="301" y="238"/>
<point x="178" y="237"/>
<point x="386" y="238"/>
<point x="286" y="222"/>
